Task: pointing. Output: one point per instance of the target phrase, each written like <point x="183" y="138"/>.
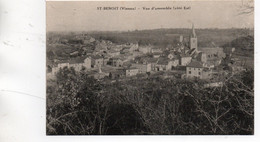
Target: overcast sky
<point x="84" y="16"/>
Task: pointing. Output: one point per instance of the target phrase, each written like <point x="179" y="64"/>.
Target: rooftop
<point x="74" y="60"/>
<point x="195" y="64"/>
<point x="163" y="61"/>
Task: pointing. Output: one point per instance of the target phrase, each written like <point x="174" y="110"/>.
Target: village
<point x="119" y="61"/>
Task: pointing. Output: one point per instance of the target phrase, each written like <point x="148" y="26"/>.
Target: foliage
<point x="79" y="104"/>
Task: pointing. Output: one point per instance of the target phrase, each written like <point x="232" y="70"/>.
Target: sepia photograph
<point x="150" y="67"/>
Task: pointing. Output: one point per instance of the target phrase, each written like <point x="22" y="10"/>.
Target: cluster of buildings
<point x="130" y="59"/>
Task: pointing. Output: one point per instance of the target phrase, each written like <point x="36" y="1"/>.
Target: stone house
<point x="143" y="68"/>
<point x="196" y="69"/>
<point x="163" y="64"/>
<point x="78" y="64"/>
<point x="97" y="61"/>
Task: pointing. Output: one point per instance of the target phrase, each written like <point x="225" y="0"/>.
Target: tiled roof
<point x="195" y="64"/>
<point x="191" y="51"/>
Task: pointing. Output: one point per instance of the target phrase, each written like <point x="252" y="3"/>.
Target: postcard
<point x="150" y="67"/>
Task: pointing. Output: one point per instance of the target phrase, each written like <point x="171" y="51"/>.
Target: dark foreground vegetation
<point x="80" y="105"/>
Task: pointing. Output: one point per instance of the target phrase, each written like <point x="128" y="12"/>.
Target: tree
<point x="76" y="108"/>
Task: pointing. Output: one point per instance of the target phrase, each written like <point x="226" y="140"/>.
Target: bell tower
<point x="193" y="39"/>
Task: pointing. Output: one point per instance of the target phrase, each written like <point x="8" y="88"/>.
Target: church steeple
<point x="193" y="39"/>
<point x="193" y="35"/>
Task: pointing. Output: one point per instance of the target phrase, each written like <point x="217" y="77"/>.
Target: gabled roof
<point x="195" y="64"/>
<point x="191" y="51"/>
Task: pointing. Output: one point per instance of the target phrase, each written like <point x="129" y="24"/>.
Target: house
<point x="80" y="63"/>
<point x="202" y="57"/>
<point x="143" y="68"/>
<point x="116" y="62"/>
<point x="131" y="71"/>
<point x="213" y="52"/>
<point x="174" y="62"/>
<point x="163" y="64"/>
<point x="113" y="53"/>
<point x="96" y="61"/>
<point x="196" y="69"/>
<point x="214" y="55"/>
<point x="184" y="59"/>
<point x="147" y="60"/>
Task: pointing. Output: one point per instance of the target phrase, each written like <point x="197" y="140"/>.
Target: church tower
<point x="193" y="39"/>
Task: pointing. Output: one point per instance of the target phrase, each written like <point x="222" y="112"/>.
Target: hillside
<point x="244" y="46"/>
<point x="163" y="37"/>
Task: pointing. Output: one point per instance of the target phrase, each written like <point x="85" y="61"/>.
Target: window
<point x="199" y="73"/>
<point x="189" y="72"/>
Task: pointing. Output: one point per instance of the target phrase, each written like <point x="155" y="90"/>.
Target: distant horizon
<point x="155" y="29"/>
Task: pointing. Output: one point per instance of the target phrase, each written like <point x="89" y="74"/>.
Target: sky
<point x="84" y="16"/>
